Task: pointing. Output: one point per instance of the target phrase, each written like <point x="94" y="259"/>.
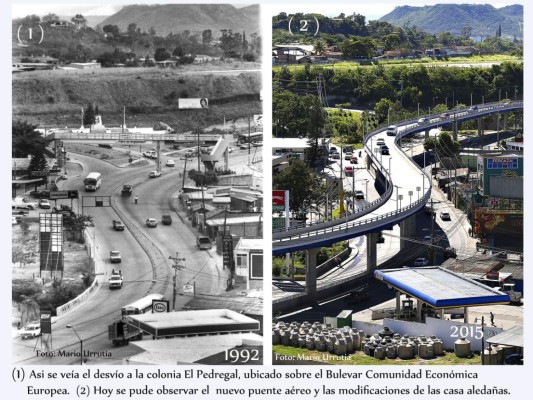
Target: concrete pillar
<point x="407" y="230"/>
<point x="505" y="121"/>
<point x="398" y="302"/>
<point x="480" y="132"/>
<point x="310" y="273"/>
<point x="419" y="304"/>
<point x="455" y="124"/>
<point x="466" y="314"/>
<point x="441" y="313"/>
<point x="371" y="251"/>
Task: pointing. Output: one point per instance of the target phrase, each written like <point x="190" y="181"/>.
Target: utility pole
<point x="432" y="248"/>
<point x="176" y="267"/>
<point x="249" y="144"/>
<point x="184" y="173"/>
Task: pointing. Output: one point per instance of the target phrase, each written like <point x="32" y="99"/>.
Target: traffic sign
<point x="59" y="194"/>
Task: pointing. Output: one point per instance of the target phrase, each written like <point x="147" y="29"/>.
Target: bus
<point x="140" y="306"/>
<point x="93" y="181"/>
<point x="245" y="138"/>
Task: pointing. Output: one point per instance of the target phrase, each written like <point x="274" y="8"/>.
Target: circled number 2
<point x="304" y="25"/>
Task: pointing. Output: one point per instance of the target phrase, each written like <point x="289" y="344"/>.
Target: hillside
<point x="56" y="97"/>
<point x="176" y="18"/>
<point x="483" y="18"/>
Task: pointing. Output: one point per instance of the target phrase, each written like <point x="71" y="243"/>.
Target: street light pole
<point x="176" y="267"/>
<point x="397" y="187"/>
<point x="418" y="191"/>
<point x="81" y="343"/>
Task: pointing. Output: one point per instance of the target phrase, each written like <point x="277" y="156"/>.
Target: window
<point x="241" y="260"/>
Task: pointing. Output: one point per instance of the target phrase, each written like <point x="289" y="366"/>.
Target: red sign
<point x="278" y="197"/>
<point x="493" y="275"/>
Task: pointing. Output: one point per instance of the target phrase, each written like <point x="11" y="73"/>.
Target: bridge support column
<point x="455" y="125"/>
<point x="419" y="304"/>
<point x="371" y="251"/>
<point x="480" y="132"/>
<point x="398" y="302"/>
<point x="310" y="273"/>
<point x="407" y="229"/>
<point x="505" y="121"/>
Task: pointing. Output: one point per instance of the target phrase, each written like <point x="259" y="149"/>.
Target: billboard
<point x="278" y="199"/>
<point x="46" y="320"/>
<point x="160" y="306"/>
<point x="502" y="222"/>
<point x="51" y="242"/>
<point x="258" y="119"/>
<point x="188" y="104"/>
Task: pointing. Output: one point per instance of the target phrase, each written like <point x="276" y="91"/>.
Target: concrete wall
<point x="236" y="180"/>
<point x="505" y="186"/>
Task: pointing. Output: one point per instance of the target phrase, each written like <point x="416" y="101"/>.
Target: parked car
<point x="151" y="222"/>
<point x="445" y="216"/>
<point x="116" y="280"/>
<point x="154" y="174"/>
<point x="21" y="202"/>
<point x="203" y="242"/>
<point x="32" y="330"/>
<point x="170" y="163"/>
<point x="420" y="262"/>
<point x="166" y="219"/>
<point x="333" y="150"/>
<point x="45" y="203"/>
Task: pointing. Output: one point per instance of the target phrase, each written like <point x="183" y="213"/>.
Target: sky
<point x="370" y="9"/>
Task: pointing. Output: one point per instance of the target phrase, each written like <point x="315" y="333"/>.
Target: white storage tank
<point x="462" y="347"/>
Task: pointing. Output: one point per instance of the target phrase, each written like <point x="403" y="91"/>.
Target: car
<point x="336" y="156"/>
<point x="151" y="222"/>
<point x="384" y="150"/>
<point x="445" y="216"/>
<point x="348" y="156"/>
<point x="450" y="252"/>
<point x="444" y="116"/>
<point x="381" y="238"/>
<point x="428" y="239"/>
<point x="354" y="160"/>
<point x="347" y="149"/>
<point x="14" y="220"/>
<point x="203" y="243"/>
<point x="116" y="280"/>
<point x="359" y="195"/>
<point x="105" y="145"/>
<point x="428" y="209"/>
<point x="154" y="174"/>
<point x="472" y="108"/>
<point x="126" y="190"/>
<point x="170" y="163"/>
<point x="21" y="202"/>
<point x="166" y="219"/>
<point x="114" y="256"/>
<point x="424" y="120"/>
<point x="392" y="130"/>
<point x="45" y="203"/>
<point x="118" y="225"/>
<point x="257" y="144"/>
<point x="63" y="209"/>
<point x="30" y="331"/>
<point x="420" y="262"/>
<point x="348" y="170"/>
<point x="149" y="154"/>
<point x="333" y="150"/>
<point x="380" y="142"/>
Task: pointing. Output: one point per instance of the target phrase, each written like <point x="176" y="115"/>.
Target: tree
<point x="80" y="21"/>
<point x="446" y="146"/>
<point x="178" y="52"/>
<point x="38" y="162"/>
<point x="50" y="18"/>
<point x="26" y="140"/>
<point x="83" y="53"/>
<point x="161" y="54"/>
<point x="89" y="116"/>
<point x="302" y="183"/>
<point x="112" y="30"/>
<point x="207" y="37"/>
<point x="358" y="47"/>
<point x="466" y="32"/>
<point x="319" y="46"/>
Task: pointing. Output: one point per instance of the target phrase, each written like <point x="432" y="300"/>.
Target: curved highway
<point x="408" y="187"/>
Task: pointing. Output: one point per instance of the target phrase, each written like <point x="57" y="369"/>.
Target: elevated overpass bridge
<point x="408" y="188"/>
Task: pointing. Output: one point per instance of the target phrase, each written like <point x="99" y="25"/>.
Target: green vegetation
<point x="360" y="358"/>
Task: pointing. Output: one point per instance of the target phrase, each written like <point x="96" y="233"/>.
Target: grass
<point x="359" y="358"/>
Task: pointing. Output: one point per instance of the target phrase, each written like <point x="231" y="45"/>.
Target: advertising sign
<point x="160" y="306"/>
<point x="258" y="120"/>
<point x="278" y="200"/>
<point x="46" y="320"/>
<point x="502" y="163"/>
<point x="503" y="222"/>
<point x="188" y="104"/>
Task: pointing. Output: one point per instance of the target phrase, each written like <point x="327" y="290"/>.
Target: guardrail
<point x="390" y="218"/>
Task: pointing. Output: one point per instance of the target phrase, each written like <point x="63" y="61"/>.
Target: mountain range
<point x="484" y="19"/>
<point x="196" y="18"/>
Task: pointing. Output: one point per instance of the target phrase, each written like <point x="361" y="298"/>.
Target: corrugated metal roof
<point x="510" y="337"/>
<point x="440" y="288"/>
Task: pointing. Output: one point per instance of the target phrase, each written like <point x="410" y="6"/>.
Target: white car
<point x="170" y="163"/>
<point x="445" y="216"/>
<point x="420" y="262"/>
<point x="380" y="142"/>
<point x="423" y="120"/>
<point x="32" y="330"/>
<point x="44" y="203"/>
<point x="151" y="222"/>
<point x="154" y="174"/>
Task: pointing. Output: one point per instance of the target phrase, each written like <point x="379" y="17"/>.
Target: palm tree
<point x="320" y="46"/>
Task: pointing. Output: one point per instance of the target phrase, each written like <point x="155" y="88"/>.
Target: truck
<point x="121" y="333"/>
<point x="115" y="282"/>
<point x="114" y="256"/>
<point x="30" y="331"/>
<point x="21" y="202"/>
<point x="118" y="225"/>
<point x="126" y="190"/>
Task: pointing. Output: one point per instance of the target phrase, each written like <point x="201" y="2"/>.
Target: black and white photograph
<point x="137" y="184"/>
